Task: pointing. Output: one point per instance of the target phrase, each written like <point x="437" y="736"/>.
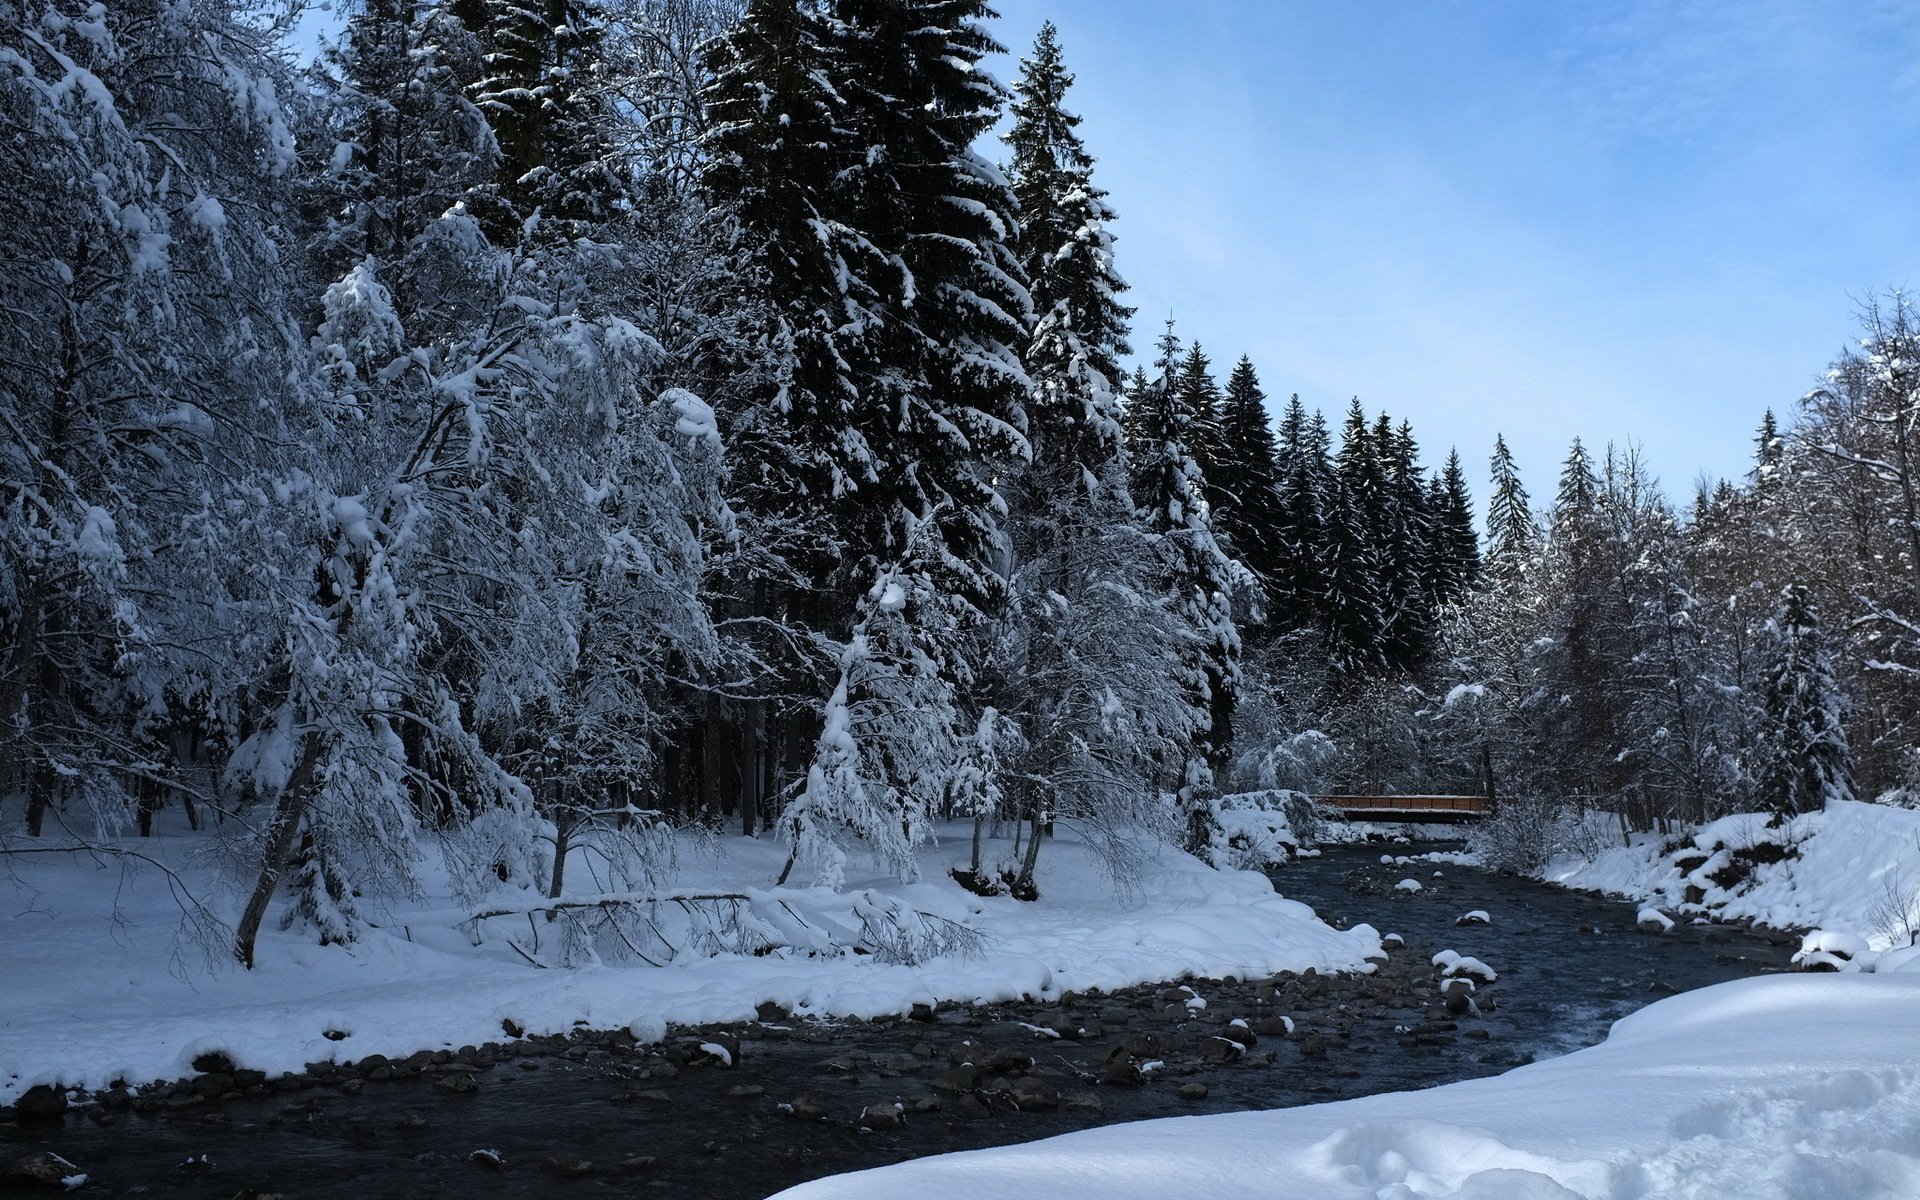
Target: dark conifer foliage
<point x="1295" y="585"/>
<point x="1512" y="533"/>
<point x="1456" y="548"/>
<point x="1246" y="485"/>
<point x="1170" y="492"/>
<point x="1804" y="761"/>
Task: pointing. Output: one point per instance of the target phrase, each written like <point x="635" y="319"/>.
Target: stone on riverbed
<point x="807" y="1107"/>
<point x="1035" y="1095"/>
<point x="883" y="1117"/>
<point x="41" y="1103"/>
<point x="46" y="1169"/>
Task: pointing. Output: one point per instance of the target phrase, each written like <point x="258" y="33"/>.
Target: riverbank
<point x="1796" y="1088"/>
<point x="103" y="988"/>
<point x="791" y="1098"/>
<point x="1849" y="874"/>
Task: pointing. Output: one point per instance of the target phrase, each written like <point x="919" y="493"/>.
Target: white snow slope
<point x="1803" y="1087"/>
<point x="95" y="988"/>
<point x="1855" y="869"/>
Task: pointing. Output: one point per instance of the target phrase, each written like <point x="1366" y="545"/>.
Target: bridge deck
<point x="1424" y="809"/>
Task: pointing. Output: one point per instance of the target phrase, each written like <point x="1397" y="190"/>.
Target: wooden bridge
<point x="1425" y="810"/>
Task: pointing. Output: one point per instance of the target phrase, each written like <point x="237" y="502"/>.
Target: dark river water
<point x="596" y="1117"/>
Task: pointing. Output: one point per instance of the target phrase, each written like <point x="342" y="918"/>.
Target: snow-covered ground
<point x="1804" y="1087"/>
<point x="1851" y="870"/>
<point x="98" y="988"/>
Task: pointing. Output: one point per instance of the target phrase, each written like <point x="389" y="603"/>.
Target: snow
<point x="151" y="1007"/>
<point x="1854" y="868"/>
<point x="1782" y="1087"/>
<point x="1407" y="885"/>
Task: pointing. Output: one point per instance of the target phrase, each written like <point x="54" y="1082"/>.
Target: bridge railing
<point x="1460" y="804"/>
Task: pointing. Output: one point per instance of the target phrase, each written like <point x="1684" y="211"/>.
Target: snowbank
<point x="96" y="991"/>
<point x="1853" y="868"/>
<point x="1784" y="1087"/>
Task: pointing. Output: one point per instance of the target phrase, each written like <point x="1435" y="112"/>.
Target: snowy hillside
<point x="1852" y="868"/>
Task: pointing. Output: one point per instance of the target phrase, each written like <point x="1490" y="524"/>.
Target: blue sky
<point x="1642" y="221"/>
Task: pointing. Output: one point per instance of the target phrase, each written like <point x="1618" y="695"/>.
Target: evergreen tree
<point x="1406" y="543"/>
<point x="401" y="140"/>
<point x="544" y="93"/>
<point x="1080" y="713"/>
<point x="1065" y="249"/>
<point x="1512" y="533"/>
<point x="1247" y="511"/>
<point x="1200" y="394"/>
<point x="1354" y="606"/>
<point x="1458" y="557"/>
<point x="1804" y="762"/>
<point x="1294" y="585"/>
<point x="938" y="417"/>
<point x="1197" y="576"/>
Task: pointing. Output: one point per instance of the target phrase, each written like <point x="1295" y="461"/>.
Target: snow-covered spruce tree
<point x="816" y="295"/>
<point x="888" y="751"/>
<point x="1247" y="508"/>
<point x="1169" y="491"/>
<point x="1457" y="544"/>
<point x="1353" y="606"/>
<point x="141" y="359"/>
<point x="1406" y="543"/>
<point x="1200" y="393"/>
<point x="934" y="420"/>
<point x="1295" y="586"/>
<point x="393" y="140"/>
<point x="1082" y="650"/>
<point x="1584" y="643"/>
<point x="1854" y="467"/>
<point x="1513" y="535"/>
<point x="547" y="94"/>
<point x="1804" y="761"/>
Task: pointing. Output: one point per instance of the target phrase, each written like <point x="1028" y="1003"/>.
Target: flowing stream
<point x="595" y="1116"/>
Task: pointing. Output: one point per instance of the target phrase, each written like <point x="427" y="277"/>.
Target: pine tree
<point x="1406" y="541"/>
<point x="399" y="140"/>
<point x="1512" y="533"/>
<point x="1200" y="394"/>
<point x="1081" y="713"/>
<point x="1247" y="510"/>
<point x="1354" y="606"/>
<point x="1197" y="576"/>
<point x="938" y="414"/>
<point x="1065" y="249"/>
<point x="1294" y="585"/>
<point x="544" y="93"/>
<point x="1458" y="557"/>
<point x="1804" y="763"/>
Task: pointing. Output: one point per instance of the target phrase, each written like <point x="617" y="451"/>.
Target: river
<point x="599" y="1117"/>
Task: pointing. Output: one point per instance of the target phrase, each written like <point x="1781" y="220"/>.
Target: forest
<point x="530" y="430"/>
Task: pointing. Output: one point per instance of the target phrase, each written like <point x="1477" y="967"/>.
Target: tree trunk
<point x="750" y="767"/>
<point x="1031" y="861"/>
<point x="41" y="779"/>
<point x="562" y="843"/>
<point x="281" y="831"/>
